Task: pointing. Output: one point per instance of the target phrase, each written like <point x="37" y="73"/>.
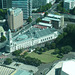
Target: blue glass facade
<point x="26" y="6"/>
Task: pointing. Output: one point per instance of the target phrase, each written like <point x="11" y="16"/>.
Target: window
<point x="49" y="37"/>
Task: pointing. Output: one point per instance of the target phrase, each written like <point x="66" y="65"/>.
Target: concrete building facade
<point x="15" y="18"/>
<point x="69" y="4"/>
<point x="25" y="5"/>
<point x="56" y="20"/>
<point x="30" y="38"/>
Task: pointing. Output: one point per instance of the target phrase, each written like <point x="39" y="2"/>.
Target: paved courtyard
<point x="23" y="66"/>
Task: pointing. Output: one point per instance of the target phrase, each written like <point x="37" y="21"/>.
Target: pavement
<point x="23" y="66"/>
<point x="52" y="71"/>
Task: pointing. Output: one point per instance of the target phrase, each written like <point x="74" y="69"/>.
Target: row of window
<point x="49" y="38"/>
<point x="24" y="45"/>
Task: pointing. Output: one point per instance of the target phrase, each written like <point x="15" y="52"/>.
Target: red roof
<point x="38" y="26"/>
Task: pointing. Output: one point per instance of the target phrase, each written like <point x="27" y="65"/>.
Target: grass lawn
<point x="45" y="57"/>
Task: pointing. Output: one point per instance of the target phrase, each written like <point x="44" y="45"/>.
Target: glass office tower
<point x="26" y="6"/>
<point x="4" y="4"/>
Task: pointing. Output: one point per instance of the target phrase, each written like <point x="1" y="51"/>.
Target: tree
<point x="3" y="13"/>
<point x="45" y="49"/>
<point x="60" y="55"/>
<point x="38" y="20"/>
<point x="59" y="8"/>
<point x="47" y="45"/>
<point x="1" y="18"/>
<point x="44" y="8"/>
<point x="36" y="49"/>
<point x="8" y="61"/>
<point x="32" y="61"/>
<point x="56" y="51"/>
<point x="46" y="13"/>
<point x="41" y="50"/>
<point x="53" y="45"/>
<point x="63" y="10"/>
<point x="67" y="37"/>
<point x="59" y="38"/>
<point x="24" y="54"/>
<point x="17" y="52"/>
<point x="72" y="11"/>
<point x="66" y="49"/>
<point x="29" y="20"/>
<point x="3" y="38"/>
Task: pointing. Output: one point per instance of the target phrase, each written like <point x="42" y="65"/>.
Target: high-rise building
<point x="56" y="20"/>
<point x="69" y="4"/>
<point x="26" y="6"/>
<point x="15" y="18"/>
<point x="4" y="4"/>
<point x="38" y="3"/>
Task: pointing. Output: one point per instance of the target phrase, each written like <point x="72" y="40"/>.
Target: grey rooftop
<point x="34" y="33"/>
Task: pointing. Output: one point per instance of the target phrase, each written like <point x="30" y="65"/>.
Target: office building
<point x="15" y="18"/>
<point x="38" y="3"/>
<point x="69" y="4"/>
<point x="26" y="6"/>
<point x="4" y="4"/>
<point x="56" y="20"/>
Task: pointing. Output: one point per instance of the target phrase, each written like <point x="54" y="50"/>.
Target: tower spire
<point x="9" y="37"/>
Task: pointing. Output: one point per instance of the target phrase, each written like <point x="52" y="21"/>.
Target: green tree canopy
<point x="47" y="45"/>
<point x="66" y="49"/>
<point x="3" y="13"/>
<point x="29" y="20"/>
<point x="38" y="20"/>
<point x="3" y="38"/>
<point x="8" y="61"/>
<point x="44" y="8"/>
<point x="53" y="45"/>
<point x="17" y="52"/>
<point x="46" y="13"/>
